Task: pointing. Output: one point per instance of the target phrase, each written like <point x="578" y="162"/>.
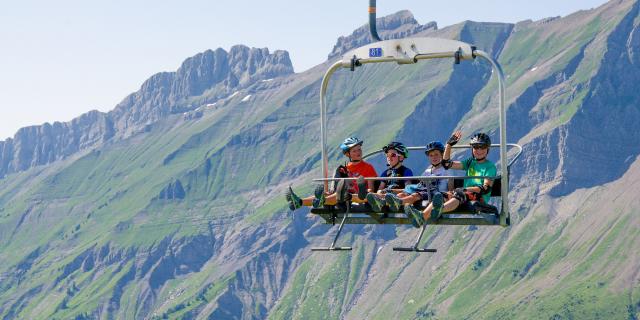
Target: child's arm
<point x="446" y="162"/>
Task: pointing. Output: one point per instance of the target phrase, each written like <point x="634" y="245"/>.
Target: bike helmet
<point x="480" y="139"/>
<point x="397" y="146"/>
<point x="434" y="145"/>
<point x="349" y="143"/>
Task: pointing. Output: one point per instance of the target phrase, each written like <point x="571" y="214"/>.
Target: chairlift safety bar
<point x="410" y="178"/>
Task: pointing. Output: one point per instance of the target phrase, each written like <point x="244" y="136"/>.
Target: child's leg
<point x="450" y="205"/>
<point x="331" y="199"/>
<point x="308" y="201"/>
<point x="410" y="199"/>
<point x="356" y="199"/>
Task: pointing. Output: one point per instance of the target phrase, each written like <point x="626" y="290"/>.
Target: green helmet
<point x="397" y="146"/>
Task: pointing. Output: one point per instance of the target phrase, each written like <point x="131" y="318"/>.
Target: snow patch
<point x="534" y="69"/>
<point x="233" y="95"/>
<point x="245" y="99"/>
<point x="266" y="80"/>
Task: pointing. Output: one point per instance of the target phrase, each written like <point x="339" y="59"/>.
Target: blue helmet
<point x="434" y="145"/>
<point x="349" y="143"/>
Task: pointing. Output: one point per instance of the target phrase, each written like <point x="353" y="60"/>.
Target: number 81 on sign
<point x="375" y="52"/>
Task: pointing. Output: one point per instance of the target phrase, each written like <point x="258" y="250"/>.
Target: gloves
<point x="447" y="163"/>
<point x="453" y="140"/>
<point x="342" y="172"/>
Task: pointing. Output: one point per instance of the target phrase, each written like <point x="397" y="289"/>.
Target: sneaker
<point x="362" y="188"/>
<point x="318" y="202"/>
<point x="414" y="215"/>
<point x="294" y="201"/>
<point x="393" y="202"/>
<point x="375" y="202"/>
<point x="437" y="202"/>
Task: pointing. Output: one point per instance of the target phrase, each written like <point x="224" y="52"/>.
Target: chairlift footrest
<point x="331" y="249"/>
<point x="412" y="249"/>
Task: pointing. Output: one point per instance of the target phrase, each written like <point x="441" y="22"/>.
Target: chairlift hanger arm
<point x="372" y="21"/>
<point x="409" y="51"/>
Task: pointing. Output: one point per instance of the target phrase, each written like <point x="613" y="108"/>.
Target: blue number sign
<point x="375" y="52"/>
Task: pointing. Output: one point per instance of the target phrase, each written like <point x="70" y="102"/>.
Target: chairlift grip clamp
<point x="355" y="62"/>
<point x="457" y="55"/>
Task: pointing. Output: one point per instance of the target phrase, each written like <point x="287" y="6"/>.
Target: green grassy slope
<point x="92" y="237"/>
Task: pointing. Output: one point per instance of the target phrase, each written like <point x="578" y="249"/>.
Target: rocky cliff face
<point x="209" y="75"/>
<point x="40" y="145"/>
<point x="600" y="106"/>
<point x="213" y="74"/>
<point x="598" y="135"/>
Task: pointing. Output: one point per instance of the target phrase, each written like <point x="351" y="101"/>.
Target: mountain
<point x="171" y="205"/>
<point x="207" y="76"/>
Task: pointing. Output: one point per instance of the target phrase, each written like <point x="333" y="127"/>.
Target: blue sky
<point x="59" y="59"/>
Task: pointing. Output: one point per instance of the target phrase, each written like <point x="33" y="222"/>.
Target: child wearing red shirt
<point x="356" y="167"/>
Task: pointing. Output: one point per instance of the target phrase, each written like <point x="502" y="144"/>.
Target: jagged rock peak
<point x="213" y="73"/>
<point x="398" y="25"/>
<point x="200" y="72"/>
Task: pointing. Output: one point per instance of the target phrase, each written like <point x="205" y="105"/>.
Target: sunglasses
<point x="479" y="146"/>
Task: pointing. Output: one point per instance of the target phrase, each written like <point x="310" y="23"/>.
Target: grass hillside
<point x="187" y="220"/>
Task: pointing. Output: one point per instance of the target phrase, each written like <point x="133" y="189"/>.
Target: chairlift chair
<point x="410" y="51"/>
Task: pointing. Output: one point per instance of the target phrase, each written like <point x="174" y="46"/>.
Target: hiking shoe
<point x="294" y="201"/>
<point x="393" y="202"/>
<point x="318" y="202"/>
<point x="342" y="191"/>
<point x="414" y="215"/>
<point x="437" y="202"/>
<point x="362" y="188"/>
<point x="375" y="202"/>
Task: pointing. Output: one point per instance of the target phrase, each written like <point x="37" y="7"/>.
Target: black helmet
<point x="349" y="143"/>
<point x="434" y="145"/>
<point x="397" y="146"/>
<point x="480" y="139"/>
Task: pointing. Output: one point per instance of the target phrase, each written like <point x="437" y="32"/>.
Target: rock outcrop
<point x="40" y="145"/>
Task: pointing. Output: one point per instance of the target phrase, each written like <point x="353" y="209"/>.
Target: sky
<point x="59" y="59"/>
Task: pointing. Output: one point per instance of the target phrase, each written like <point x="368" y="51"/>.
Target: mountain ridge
<point x="162" y="94"/>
